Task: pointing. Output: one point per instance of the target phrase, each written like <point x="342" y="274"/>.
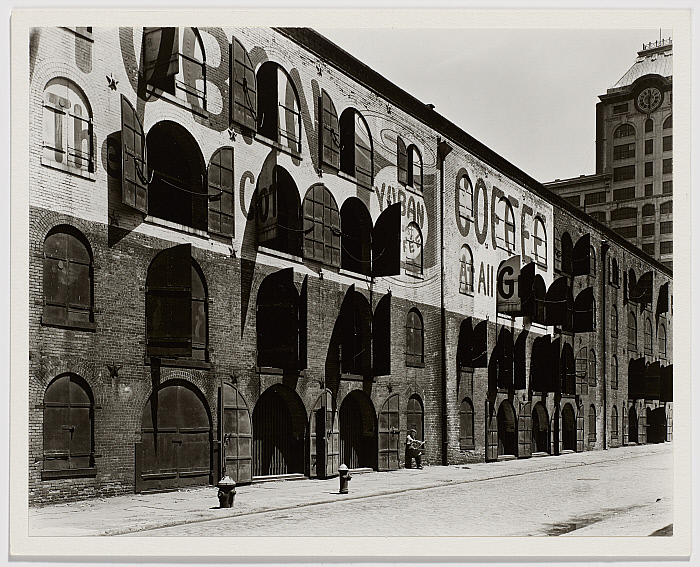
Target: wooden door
<point x="389" y="435"/>
<point x="625" y="426"/>
<point x="669" y="422"/>
<point x="580" y="421"/>
<point x="324" y="447"/>
<point x="236" y="435"/>
<point x="642" y="426"/>
<point x="525" y="432"/>
<point x="491" y="433"/>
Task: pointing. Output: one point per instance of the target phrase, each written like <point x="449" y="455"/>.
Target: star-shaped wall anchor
<point x="113" y="370"/>
<point x="111" y="82"/>
<point x="231" y="134"/>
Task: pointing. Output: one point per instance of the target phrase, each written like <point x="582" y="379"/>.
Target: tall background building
<point x="632" y="189"/>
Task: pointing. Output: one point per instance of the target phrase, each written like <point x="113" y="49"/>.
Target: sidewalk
<point x="137" y="512"/>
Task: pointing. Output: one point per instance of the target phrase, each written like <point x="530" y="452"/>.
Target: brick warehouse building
<point x="251" y="253"/>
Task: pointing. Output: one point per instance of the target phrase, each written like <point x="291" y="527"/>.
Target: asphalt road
<point x="619" y="496"/>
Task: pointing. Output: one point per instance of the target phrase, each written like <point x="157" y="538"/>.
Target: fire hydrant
<point x="345" y="477"/>
<point x="227" y="492"/>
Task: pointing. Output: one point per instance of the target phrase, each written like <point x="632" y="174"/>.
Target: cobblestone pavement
<point x="626" y="491"/>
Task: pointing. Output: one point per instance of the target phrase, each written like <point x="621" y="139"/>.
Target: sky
<point x="528" y="94"/>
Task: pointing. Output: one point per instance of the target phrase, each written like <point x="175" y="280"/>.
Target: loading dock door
<point x="236" y="435"/>
<point x="324" y="449"/>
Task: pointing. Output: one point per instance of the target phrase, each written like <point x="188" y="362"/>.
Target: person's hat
<point x="413" y="430"/>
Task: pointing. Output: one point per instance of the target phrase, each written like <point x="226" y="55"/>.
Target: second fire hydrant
<point x="227" y="492"/>
<point x="345" y="477"/>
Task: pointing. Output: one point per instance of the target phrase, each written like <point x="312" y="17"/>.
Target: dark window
<point x="613" y="372"/>
<point x="321" y="226"/>
<point x="667" y="188"/>
<point x="667" y="165"/>
<point x="668" y="123"/>
<point x="356" y="157"/>
<point x="592" y="372"/>
<point x="221" y="198"/>
<point x="647" y="336"/>
<point x="598" y="215"/>
<point x="623" y="194"/>
<point x="69" y="446"/>
<point x="649" y="169"/>
<point x="632" y="331"/>
<point x="649" y="125"/>
<point x="415" y="168"/>
<point x="466" y="271"/>
<point x="414" y="249"/>
<point x="648" y="230"/>
<point x="279" y="118"/>
<point x="620" y="108"/>
<point x="68" y="278"/>
<point x="279" y="219"/>
<point x="330" y="132"/>
<point x="594" y="198"/>
<point x="648" y="210"/>
<point x="505" y="237"/>
<point x="69" y="142"/>
<point x="623" y="213"/>
<point x="356" y="238"/>
<point x="623" y="173"/>
<point x="414" y="338"/>
<point x="539" y="242"/>
<point x="648" y="189"/>
<point x="614" y="272"/>
<point x="666" y="208"/>
<point x="613" y="423"/>
<point x="414" y="416"/>
<point x="591" y="424"/>
<point x="613" y="322"/>
<point x="623" y="151"/>
<point x="649" y="248"/>
<point x="627" y="231"/>
<point x="466" y="198"/>
<point x="466" y="425"/>
<point x="582" y="366"/>
<point x="662" y="340"/>
<point x="624" y="130"/>
<point x="574" y="200"/>
<point x="668" y="143"/>
<point x="666" y="227"/>
<point x="648" y="147"/>
<point x="666" y="247"/>
<point x="668" y="264"/>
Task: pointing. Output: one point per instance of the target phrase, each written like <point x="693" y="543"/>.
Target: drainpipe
<point x="443" y="148"/>
<point x="604" y="249"/>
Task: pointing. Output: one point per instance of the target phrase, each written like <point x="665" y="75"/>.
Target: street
<point x="621" y="492"/>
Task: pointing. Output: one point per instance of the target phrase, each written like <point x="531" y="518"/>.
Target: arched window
<point x="221" y="200"/>
<point x="624" y="130"/>
<point x="68" y="279"/>
<point x="632" y="330"/>
<point x="466" y="271"/>
<point x="668" y="123"/>
<point x="648" y="210"/>
<point x="414" y="338"/>
<point x="466" y="425"/>
<point x="614" y="272"/>
<point x="613" y="322"/>
<point x="649" y="125"/>
<point x="539" y="242"/>
<point x="505" y="236"/>
<point x="466" y="197"/>
<point x="614" y="427"/>
<point x="414" y="416"/>
<point x="666" y="208"/>
<point x="356" y="237"/>
<point x="662" y="340"/>
<point x="413" y="247"/>
<point x="174" y="61"/>
<point x="176" y="306"/>
<point x="613" y="372"/>
<point x="69" y="445"/>
<point x="592" y="374"/>
<point x="279" y="118"/>
<point x="278" y="209"/>
<point x="647" y="336"/>
<point x="582" y="366"/>
<point x="591" y="424"/>
<point x="69" y="142"/>
<point x="356" y="153"/>
<point x="592" y="259"/>
<point x="415" y="169"/>
<point x="321" y="226"/>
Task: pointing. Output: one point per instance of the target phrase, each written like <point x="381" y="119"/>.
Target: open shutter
<point x="386" y="242"/>
<point x="160" y="53"/>
<point x="277" y="321"/>
<point x="220" y="176"/>
<point x="666" y="386"/>
<point x="244" y="92"/>
<point x="236" y="435"/>
<point x="525" y="431"/>
<point x="580" y="420"/>
<point x="642" y="426"/>
<point x="479" y="346"/>
<point x="652" y="381"/>
<point x="381" y="337"/>
<point x="303" y="324"/>
<point x="584" y="311"/>
<point x="401" y="160"/>
<point x="662" y="302"/>
<point x="539" y="362"/>
<point x="134" y="174"/>
<point x="504" y="350"/>
<point x="526" y="289"/>
<point x="567" y="370"/>
<point x="556" y="302"/>
<point x="645" y="288"/>
<point x="330" y="132"/>
<point x="388" y="434"/>
<point x="347" y="332"/>
<point x="519" y="362"/>
<point x="491" y="432"/>
<point x="625" y="426"/>
<point x="632" y="286"/>
<point x="555" y="371"/>
<point x="169" y="303"/>
<point x="464" y="344"/>
<point x="635" y="378"/>
<point x="267" y="207"/>
<point x="581" y="258"/>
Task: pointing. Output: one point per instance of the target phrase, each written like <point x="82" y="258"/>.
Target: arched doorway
<point x="236" y="435"/>
<point x="656" y="425"/>
<point x="324" y="438"/>
<point x="540" y="429"/>
<point x="176" y="438"/>
<point x="279" y="433"/>
<point x="506" y="429"/>
<point x="358" y="438"/>
<point x="633" y="426"/>
<point x="389" y="438"/>
<point x="568" y="428"/>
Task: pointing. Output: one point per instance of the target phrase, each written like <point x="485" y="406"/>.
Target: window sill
<point x="355" y="275"/>
<point x="467" y="293"/>
<point x="68" y="324"/>
<point x="413" y="274"/>
<point x="274" y="144"/>
<point x="175" y="226"/>
<point x="277" y="254"/>
<point x="352" y="377"/>
<point x="151" y="90"/>
<point x="415" y="364"/>
<point x="86" y="35"/>
<point x="181" y="363"/>
<point x="354" y="179"/>
<point x="541" y="265"/>
<point x="90" y="175"/>
<point x="412" y="189"/>
<point x="467" y="448"/>
<point x="69" y="473"/>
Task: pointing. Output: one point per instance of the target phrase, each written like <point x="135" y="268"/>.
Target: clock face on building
<point x="649" y="99"/>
